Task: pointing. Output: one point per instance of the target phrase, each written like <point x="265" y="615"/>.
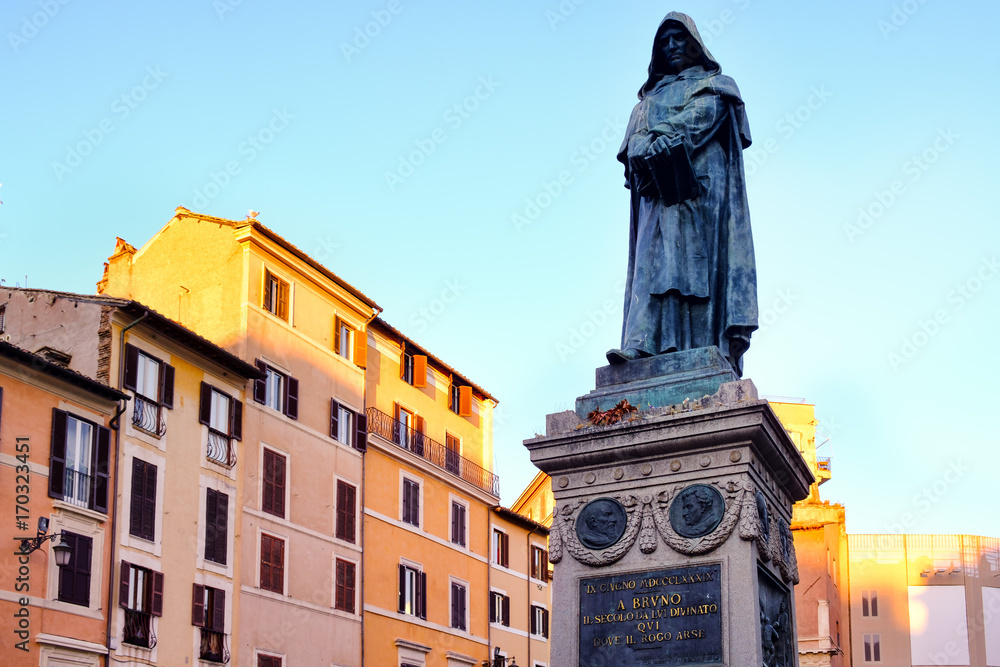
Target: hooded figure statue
<point x="691" y="279"/>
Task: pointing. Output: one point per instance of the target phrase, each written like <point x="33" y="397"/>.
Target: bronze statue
<point x="691" y="278"/>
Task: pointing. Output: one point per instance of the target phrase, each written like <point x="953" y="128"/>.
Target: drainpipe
<point x="489" y="589"/>
<point x="361" y="501"/>
<point x="114" y="508"/>
<point x="528" y="586"/>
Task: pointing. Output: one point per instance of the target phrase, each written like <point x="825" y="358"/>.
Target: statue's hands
<point x="660" y="144"/>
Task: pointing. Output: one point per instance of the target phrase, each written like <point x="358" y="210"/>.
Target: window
<point x="458" y="606"/>
<point x="869" y="603"/>
<point x="140" y="593"/>
<point x="152" y="381"/>
<point x="411" y="502"/>
<point x="404" y="429"/>
<point x="268" y="661"/>
<point x="223" y="415"/>
<point x="74" y="577"/>
<point x="873" y="651"/>
<point x="343" y="339"/>
<point x="78" y="465"/>
<point x="208" y="612"/>
<point x="344" y="597"/>
<point x="539" y="621"/>
<point x="275" y="295"/>
<point x="412" y="588"/>
<point x="501" y="548"/>
<point x="3" y="317"/>
<point x="142" y="508"/>
<point x="346" y="511"/>
<point x="348" y="427"/>
<point x="499" y="608"/>
<point x="216" y="526"/>
<point x="458" y="513"/>
<point x="461" y="400"/>
<point x="273" y="489"/>
<point x="272" y="563"/>
<point x="406" y="368"/>
<point x="452" y="455"/>
<point x="539" y="563"/>
<point x="277" y="391"/>
<point x="413" y="369"/>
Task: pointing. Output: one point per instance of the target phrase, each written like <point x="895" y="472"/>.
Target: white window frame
<point x="452" y="499"/>
<point x="288" y="485"/>
<point x="416" y="569"/>
<point x="406" y="475"/>
<point x="494" y="529"/>
<point x="532" y="605"/>
<point x="284" y="564"/>
<point x="465" y="585"/>
<point x="357" y="579"/>
<point x="872" y="640"/>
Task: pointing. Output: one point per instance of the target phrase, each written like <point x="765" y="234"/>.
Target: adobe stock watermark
<point x="248" y="150"/>
<point x="914" y="168"/>
<point x="956" y="300"/>
<point x="223" y="7"/>
<point x="593" y="322"/>
<point x="122" y="106"/>
<point x="325" y="248"/>
<point x="550" y="190"/>
<point x="364" y="34"/>
<point x="454" y="116"/>
<point x="38" y="20"/>
<point x="781" y="304"/>
<point x="713" y="28"/>
<point x="437" y="307"/>
<point x="757" y="155"/>
<point x="899" y="16"/>
<point x="562" y="12"/>
<point x="929" y="496"/>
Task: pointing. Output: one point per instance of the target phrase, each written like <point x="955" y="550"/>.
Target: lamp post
<point x="60" y="549"/>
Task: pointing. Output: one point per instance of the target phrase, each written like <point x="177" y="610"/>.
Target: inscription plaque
<point x="652" y="618"/>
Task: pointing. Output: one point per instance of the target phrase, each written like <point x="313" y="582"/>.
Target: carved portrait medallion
<point x="601" y="523"/>
<point x="697" y="510"/>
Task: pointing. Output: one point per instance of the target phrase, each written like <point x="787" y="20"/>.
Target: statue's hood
<point x="657" y="69"/>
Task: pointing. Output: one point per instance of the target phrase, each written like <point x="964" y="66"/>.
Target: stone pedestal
<point x="671" y="533"/>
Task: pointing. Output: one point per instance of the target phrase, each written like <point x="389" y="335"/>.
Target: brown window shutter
<point x="123" y="583"/>
<point x="341" y="527"/>
<point x="218" y="610"/>
<point x="493" y="607"/>
<point x="401" y="607"/>
<point x="454" y="606"/>
<point x="260" y="384"/>
<point x="465" y="401"/>
<point x="545" y="623"/>
<point x="167" y="385"/>
<point x="279" y="485"/>
<point x="137" y="498"/>
<point x="419" y="370"/>
<point x="334" y="419"/>
<point x="156" y="599"/>
<point x="361" y="432"/>
<point x="57" y="458"/>
<point x="506" y="611"/>
<point x="533" y="621"/>
<point x="198" y="606"/>
<point x="265" y="562"/>
<point x="545" y="566"/>
<point x="349" y="512"/>
<point x="505" y="549"/>
<point x="350" y="577"/>
<point x="278" y="565"/>
<point x="131" y="367"/>
<point x="422" y="595"/>
<point x="336" y="334"/>
<point x="221" y="528"/>
<point x="292" y="397"/>
<point x="267" y="483"/>
<point x="205" y="404"/>
<point x="211" y="522"/>
<point x="361" y="348"/>
<point x="282" y="300"/>
<point x="101" y="463"/>
<point x="236" y="427"/>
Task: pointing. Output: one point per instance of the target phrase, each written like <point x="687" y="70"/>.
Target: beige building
<point x="255" y="294"/>
<point x="925" y="600"/>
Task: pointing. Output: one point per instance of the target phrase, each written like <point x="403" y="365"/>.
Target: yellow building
<point x="247" y="289"/>
<point x="175" y="473"/>
<point x="429" y="490"/>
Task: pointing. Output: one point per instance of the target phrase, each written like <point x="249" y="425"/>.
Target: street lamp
<point x="60" y="549"/>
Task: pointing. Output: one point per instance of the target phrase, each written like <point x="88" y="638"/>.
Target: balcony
<point x="78" y="489"/>
<point x="148" y="416"/>
<point x="432" y="451"/>
<point x="138" y="629"/>
<point x="823" y="463"/>
<point x="220" y="448"/>
<point x="213" y="646"/>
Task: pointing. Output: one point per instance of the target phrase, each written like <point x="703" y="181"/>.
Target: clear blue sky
<point x="351" y="145"/>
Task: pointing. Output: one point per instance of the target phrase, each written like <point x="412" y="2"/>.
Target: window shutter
<point x="211" y="521"/>
<point x="131" y="367"/>
<point x="334" y="419"/>
<point x="82" y="552"/>
<point x="205" y="404"/>
<point x="218" y="610"/>
<point x="361" y="348"/>
<point x="454" y="605"/>
<point x="493" y="607"/>
<point x="422" y="595"/>
<point x="415" y="503"/>
<point x="292" y="398"/>
<point x="57" y="458"/>
<point x="361" y="432"/>
<point x="266" y="301"/>
<point x="265" y="562"/>
<point x="236" y="428"/>
<point x="461" y="527"/>
<point x="339" y="600"/>
<point x="156" y="598"/>
<point x="341" y="505"/>
<point x="461" y="608"/>
<point x="349" y="579"/>
<point x="123" y="577"/>
<point x="149" y="504"/>
<point x="454" y="522"/>
<point x="506" y="610"/>
<point x="402" y="589"/>
<point x="260" y="384"/>
<point x="283" y="299"/>
<point x="349" y="512"/>
<point x="278" y="564"/>
<point x="465" y="401"/>
<point x="545" y="566"/>
<point x="198" y="606"/>
<point x="221" y="528"/>
<point x="419" y="370"/>
<point x="534" y="620"/>
<point x="505" y="549"/>
<point x="545" y="623"/>
<point x="102" y="462"/>
<point x="267" y="485"/>
<point x="336" y="335"/>
<point x="167" y="386"/>
<point x="137" y="497"/>
<point x="278" y="480"/>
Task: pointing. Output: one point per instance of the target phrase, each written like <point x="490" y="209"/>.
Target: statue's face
<point x="678" y="49"/>
<point x="692" y="510"/>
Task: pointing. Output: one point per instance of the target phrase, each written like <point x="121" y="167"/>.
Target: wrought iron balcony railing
<point x="221" y="449"/>
<point x="138" y="629"/>
<point x="78" y="488"/>
<point x="823" y="463"/>
<point x="214" y="646"/>
<point x="147" y="416"/>
<point x="416" y="442"/>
